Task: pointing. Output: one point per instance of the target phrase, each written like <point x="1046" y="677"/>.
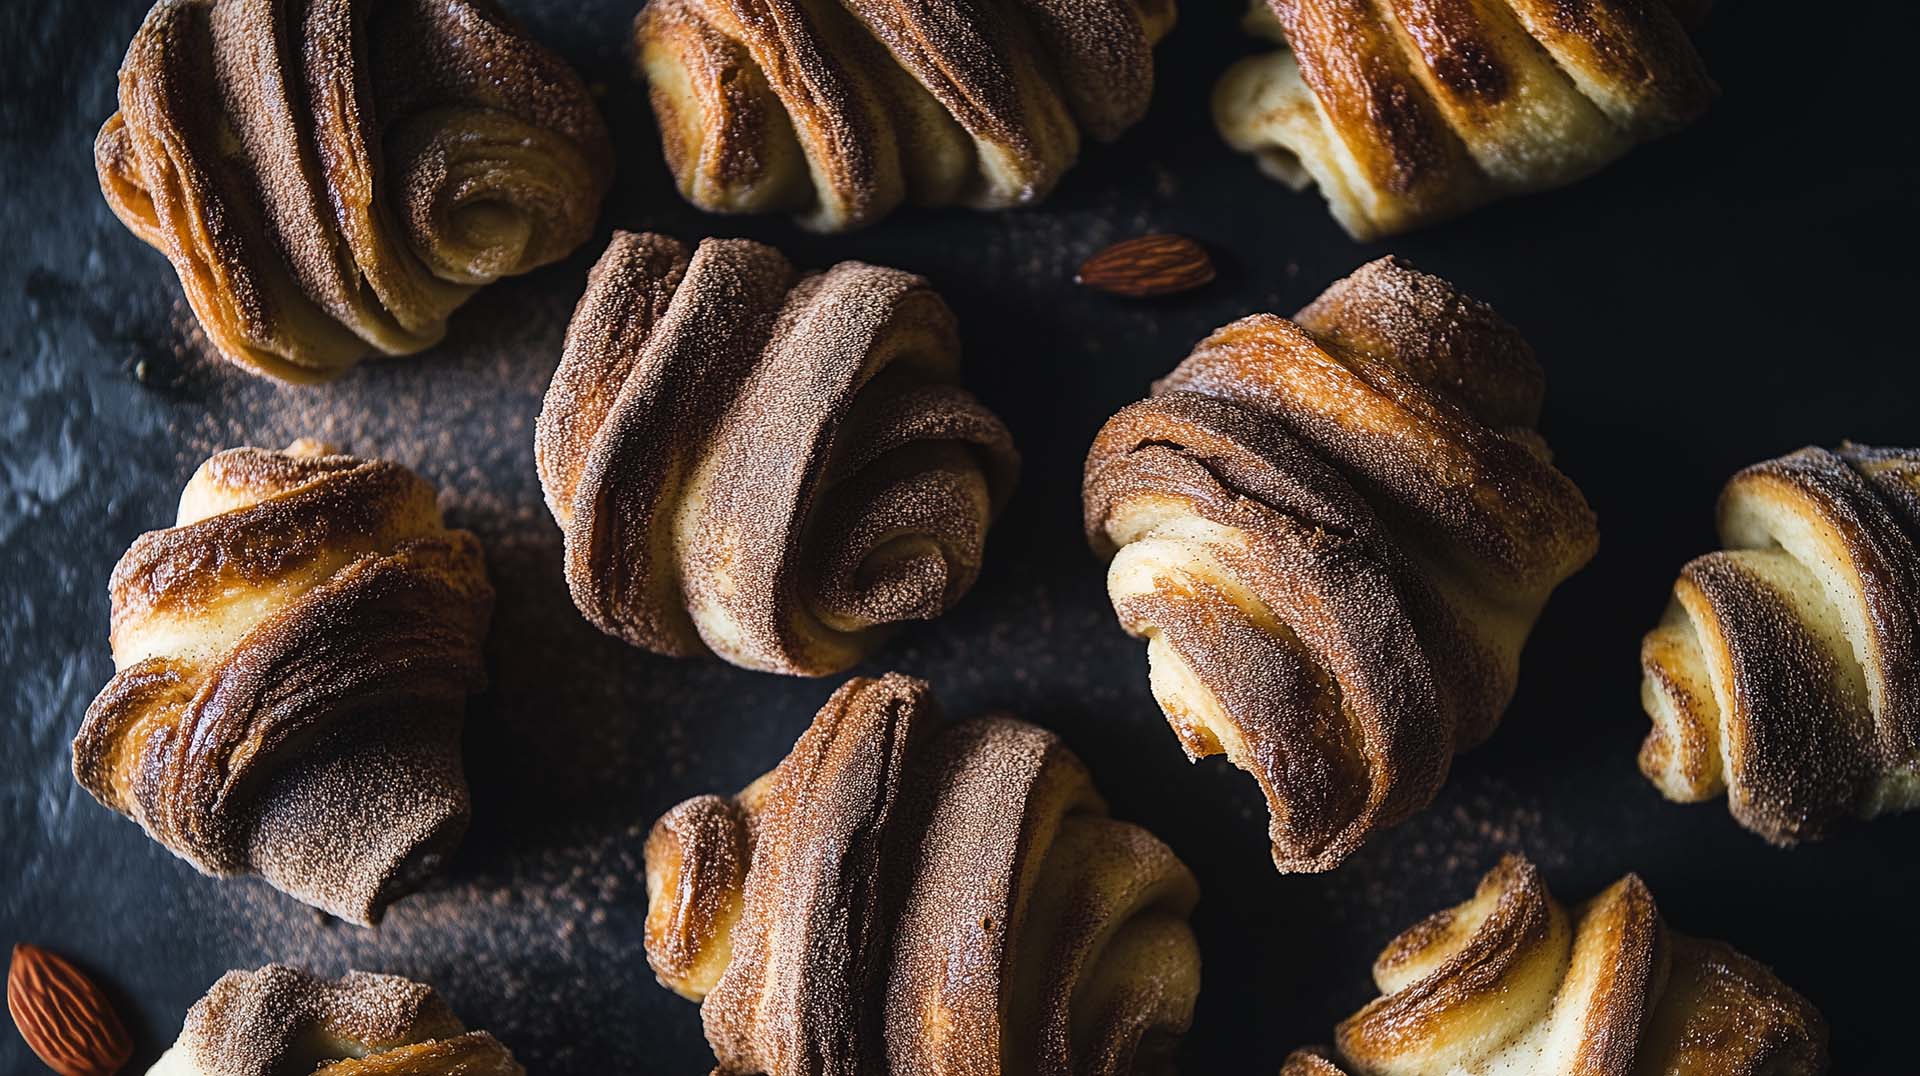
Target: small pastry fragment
<point x="1406" y="113"/>
<point x="1335" y="534"/>
<point x="770" y="466"/>
<point x="905" y="895"/>
<point x="1512" y="981"/>
<point x="292" y="659"/>
<point x="331" y="178"/>
<point x="838" y="113"/>
<point x="282" y="1020"/>
<point x="1785" y="674"/>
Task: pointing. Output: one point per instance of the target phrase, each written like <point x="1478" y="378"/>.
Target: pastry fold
<point x="282" y="1020"/>
<point x="837" y="113"/>
<point x="1407" y="112"/>
<point x="1512" y="981"/>
<point x="769" y="466"/>
<point x="905" y="895"/>
<point x="1335" y="534"/>
<point x="1785" y="674"/>
<point x="292" y="659"/>
<point x="331" y="178"/>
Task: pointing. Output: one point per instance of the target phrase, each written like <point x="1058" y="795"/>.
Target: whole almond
<point x="1150" y="265"/>
<point x="63" y="1016"/>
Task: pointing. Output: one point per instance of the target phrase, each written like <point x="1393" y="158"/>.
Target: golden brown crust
<point x="1783" y="673"/>
<point x="1406" y="112"/>
<point x="333" y="177"/>
<point x="292" y="658"/>
<point x="839" y="113"/>
<point x="768" y="466"/>
<point x="1510" y="980"/>
<point x="1335" y="536"/>
<point x="979" y="904"/>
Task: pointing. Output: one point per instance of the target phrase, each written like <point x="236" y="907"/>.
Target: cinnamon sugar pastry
<point x="1406" y="112"/>
<point x="292" y="657"/>
<point x="839" y="112"/>
<point x="283" y="1020"/>
<point x="1511" y="981"/>
<point x="333" y="177"/>
<point x="902" y="895"/>
<point x="1786" y="671"/>
<point x="766" y="465"/>
<point x="1335" y="533"/>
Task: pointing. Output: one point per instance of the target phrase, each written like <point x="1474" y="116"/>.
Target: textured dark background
<point x="1734" y="292"/>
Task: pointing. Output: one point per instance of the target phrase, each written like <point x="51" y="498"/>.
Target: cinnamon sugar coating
<point x="769" y="466"/>
<point x="837" y="113"/>
<point x="1335" y="534"/>
<point x="1407" y="112"/>
<point x="331" y="178"/>
<point x="1512" y="981"/>
<point x="1785" y="674"/>
<point x="292" y="658"/>
<point x="906" y="895"/>
<point x="282" y="1020"/>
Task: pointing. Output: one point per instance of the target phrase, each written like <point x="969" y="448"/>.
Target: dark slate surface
<point x="1727" y="295"/>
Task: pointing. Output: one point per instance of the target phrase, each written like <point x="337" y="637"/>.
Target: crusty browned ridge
<point x="282" y="1020"/>
<point x="1512" y="981"/>
<point x="332" y="178"/>
<point x="62" y="1016"/>
<point x="1335" y="534"/>
<point x="901" y="894"/>
<point x="1406" y="112"/>
<point x="292" y="658"/>
<point x="770" y="466"/>
<point x="837" y="113"/>
<point x="1786" y="671"/>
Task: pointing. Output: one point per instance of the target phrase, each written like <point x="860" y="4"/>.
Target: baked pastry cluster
<point x="331" y="178"/>
<point x="1511" y="980"/>
<point x="766" y="465"/>
<point x="1335" y="534"/>
<point x="837" y="113"/>
<point x="292" y="658"/>
<point x="1404" y="114"/>
<point x="1785" y="674"/>
<point x="903" y="895"/>
<point x="282" y="1020"/>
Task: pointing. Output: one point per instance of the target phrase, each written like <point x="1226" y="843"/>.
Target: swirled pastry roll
<point x="1786" y="671"/>
<point x="1512" y="981"/>
<point x="292" y="658"/>
<point x="1334" y="534"/>
<point x="765" y="465"/>
<point x="837" y="113"/>
<point x="1406" y="112"/>
<point x="903" y="895"/>
<point x="282" y="1020"/>
<point x="332" y="178"/>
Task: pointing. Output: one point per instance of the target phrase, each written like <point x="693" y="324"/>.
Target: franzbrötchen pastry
<point x="766" y="465"/>
<point x="1405" y="113"/>
<point x="906" y="895"/>
<point x="331" y="178"/>
<point x="1786" y="671"/>
<point x="293" y="655"/>
<point x="1335" y="534"/>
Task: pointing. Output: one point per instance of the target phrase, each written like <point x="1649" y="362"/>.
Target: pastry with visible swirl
<point x="837" y="113"/>
<point x="905" y="895"/>
<point x="1407" y="112"/>
<point x="761" y="464"/>
<point x="293" y="655"/>
<point x="1335" y="534"/>
<point x="282" y="1020"/>
<point x="1786" y="671"/>
<point x="332" y="178"/>
<point x="1511" y="981"/>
